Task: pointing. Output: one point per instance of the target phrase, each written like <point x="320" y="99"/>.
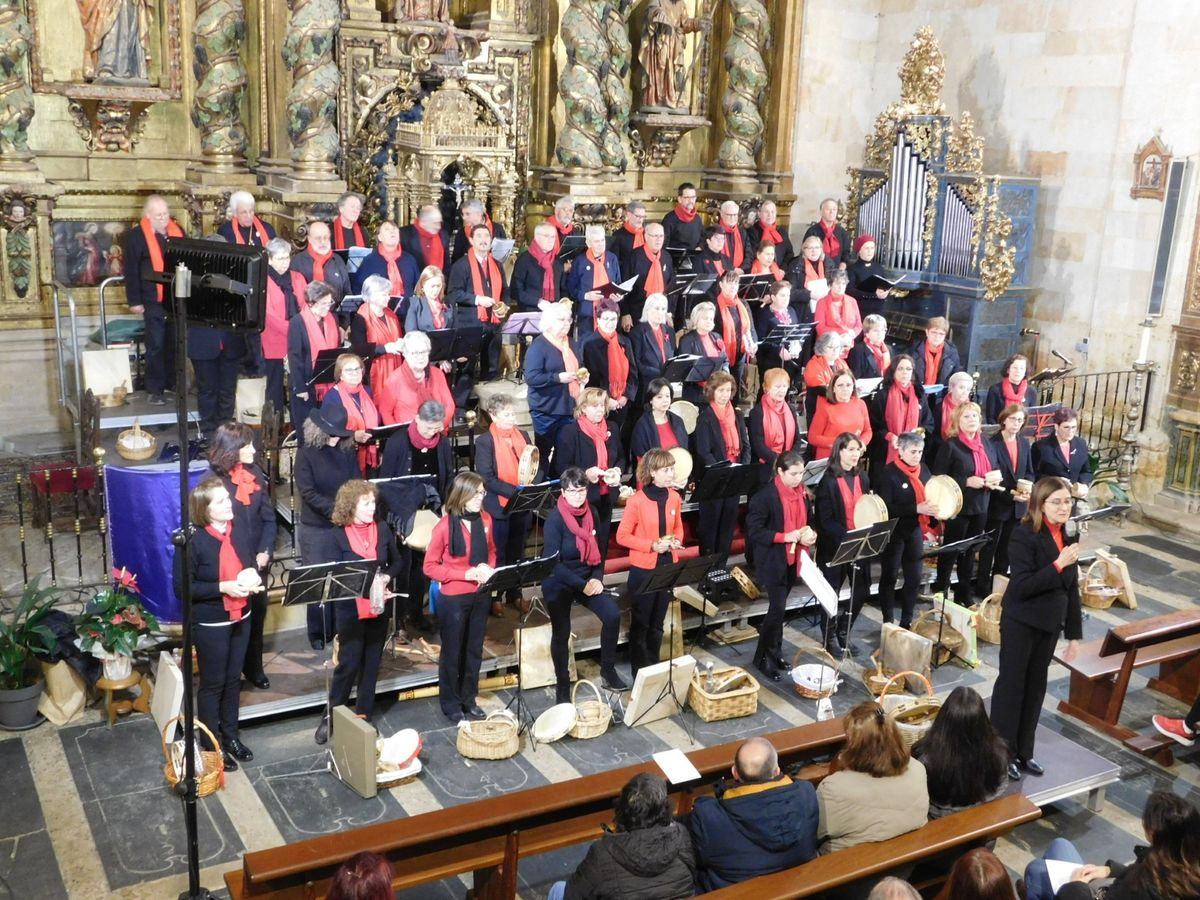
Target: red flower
<point x="126" y="579"/>
<point x="116" y="620"/>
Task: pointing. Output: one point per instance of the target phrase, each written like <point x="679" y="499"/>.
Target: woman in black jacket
<point x="231" y="455"/>
<point x="658" y="426"/>
<point x="704" y="342"/>
<point x="647" y="855"/>
<point x="592" y="445"/>
<point x="772" y="353"/>
<point x="967" y="458"/>
<point x="362" y="623"/>
<point x="720" y="439"/>
<point x="1007" y="507"/>
<point x="608" y="356"/>
<point x="774" y="426"/>
<point x="1064" y="454"/>
<point x="222" y="578"/>
<point x="653" y="341"/>
<point x="837" y="494"/>
<point x="1041" y="600"/>
<point x="898" y="406"/>
<point x="578" y="578"/>
<point x="1013" y="387"/>
<point x="901" y="486"/>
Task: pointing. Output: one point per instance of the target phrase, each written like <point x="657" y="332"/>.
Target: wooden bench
<point x="1101" y="672"/>
<point x="490" y="839"/>
<point x="842" y="867"/>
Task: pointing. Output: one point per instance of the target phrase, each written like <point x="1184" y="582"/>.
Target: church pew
<point x="843" y="867"/>
<point x="488" y="837"/>
<point x="1101" y="672"/>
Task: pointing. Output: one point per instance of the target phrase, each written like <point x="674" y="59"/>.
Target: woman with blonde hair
<point x="704" y="342"/>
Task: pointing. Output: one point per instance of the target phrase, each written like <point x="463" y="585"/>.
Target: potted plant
<point x="115" y="624"/>
<point x="23" y="637"/>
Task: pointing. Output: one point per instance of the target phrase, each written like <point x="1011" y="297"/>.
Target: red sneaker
<point x="1174" y="729"/>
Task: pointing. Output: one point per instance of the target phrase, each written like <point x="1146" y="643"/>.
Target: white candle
<point x="1144" y="350"/>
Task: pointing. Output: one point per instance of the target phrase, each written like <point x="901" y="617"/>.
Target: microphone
<point x="1058" y="355"/>
<point x="1030" y="331"/>
<point x="1071" y="529"/>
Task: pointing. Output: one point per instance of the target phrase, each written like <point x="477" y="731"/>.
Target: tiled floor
<point x="85" y="813"/>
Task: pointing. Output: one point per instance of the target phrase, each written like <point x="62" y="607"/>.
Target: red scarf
<point x="655" y="283"/>
<point x="883" y="356"/>
<point x="563" y="231"/>
<point x="1014" y="395"/>
<point x="933" y="363"/>
<point x="813" y="272"/>
<point x="779" y="426"/>
<point x="851" y="488"/>
<point x="1056" y="532"/>
<point x="510" y="444"/>
<point x="418" y="440"/>
<point x="364" y="542"/>
<point x="770" y="232"/>
<point x="339" y="242"/>
<point x="599" y="270"/>
<point x="322" y="335"/>
<point x="381" y="330"/>
<point x="638" y="238"/>
<point x="579" y="523"/>
<point x="819" y="372"/>
<point x="727" y="419"/>
<point x="228" y="567"/>
<point x="431" y="247"/>
<point x="975" y="445"/>
<point x="361" y="416"/>
<point x="901" y="414"/>
<point x="661" y="340"/>
<point x="247" y="484"/>
<point x="495" y="284"/>
<point x="545" y="259"/>
<point x="392" y="257"/>
<point x="757" y="269"/>
<point x="733" y="244"/>
<point x="570" y="362"/>
<point x="794" y="516"/>
<point x="684" y="215"/>
<point x="257" y="225"/>
<point x="918" y="486"/>
<point x="948" y="407"/>
<point x="156" y="255"/>
<point x="319" y="261"/>
<point x="598" y="432"/>
<point x="831" y="245"/>
<point x="618" y="365"/>
<point x="729" y="332"/>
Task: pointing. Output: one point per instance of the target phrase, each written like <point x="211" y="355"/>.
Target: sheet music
<point x="867" y="386"/>
<point x="811" y="575"/>
<point x="356" y="256"/>
<point x="502" y="248"/>
<point x="1060" y="872"/>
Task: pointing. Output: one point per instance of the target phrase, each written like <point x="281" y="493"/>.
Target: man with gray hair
<point x="347" y="230"/>
<point x="563" y="220"/>
<point x="654" y="269"/>
<point x="628" y="238"/>
<point x="590" y="272"/>
<point x="318" y="262"/>
<point x="473" y="213"/>
<point x="145" y="250"/>
<point x="892" y="888"/>
<point x="538" y="274"/>
<point x="737" y="242"/>
<point x="426" y="241"/>
<point x="244" y="226"/>
<point x="764" y="822"/>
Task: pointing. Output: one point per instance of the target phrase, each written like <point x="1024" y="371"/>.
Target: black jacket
<point x="320" y="471"/>
<point x="410" y="243"/>
<point x="365" y="348"/>
<point x="759" y="451"/>
<point x="653" y="863"/>
<point x="1048" y="460"/>
<point x="460" y="288"/>
<point x="485" y="467"/>
<point x="895" y="490"/>
<point x="571" y="572"/>
<point x="993" y="403"/>
<point x="462" y="241"/>
<point x="954" y="459"/>
<point x="300" y="366"/>
<point x="877" y="411"/>
<point x="204" y="552"/>
<point x="645" y="351"/>
<point x="858" y="272"/>
<point x="1129" y="882"/>
<point x="620" y="245"/>
<point x="594" y="350"/>
<point x="783" y="250"/>
<point x="831" y="514"/>
<point x="645" y="434"/>
<point x="398" y="459"/>
<point x="639" y="265"/>
<point x="337" y="276"/>
<point x="846" y="250"/>
<point x="527" y="277"/>
<point x="680" y="234"/>
<point x="951" y="362"/>
<point x="375" y="264"/>
<point x="574" y="448"/>
<point x="690" y="345"/>
<point x="767" y="355"/>
<point x="749" y="830"/>
<point x="709" y="445"/>
<point x="225" y="230"/>
<point x="862" y="361"/>
<point x="1002" y="506"/>
<point x="387" y="554"/>
<point x="764" y="519"/>
<point x="1038" y="595"/>
<point x="139" y="292"/>
<point x="257" y="520"/>
<point x="418" y="316"/>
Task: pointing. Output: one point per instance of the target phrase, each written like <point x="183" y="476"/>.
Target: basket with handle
<point x="734" y="694"/>
<point x="948" y="641"/>
<point x="210" y="776"/>
<point x="987" y="617"/>
<point x="880" y="679"/>
<point x="913" y="715"/>
<point x="496" y="737"/>
<point x="592" y="716"/>
<point x="815" y="681"/>
<point x="1096" y="592"/>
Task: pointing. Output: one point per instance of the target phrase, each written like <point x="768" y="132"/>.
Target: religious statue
<point x="661" y="54"/>
<point x="16" y="99"/>
<point x="587" y="139"/>
<point x="116" y="45"/>
<point x="750" y="38"/>
<point x="421" y="11"/>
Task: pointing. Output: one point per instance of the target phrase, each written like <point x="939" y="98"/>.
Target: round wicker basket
<point x="593" y="715"/>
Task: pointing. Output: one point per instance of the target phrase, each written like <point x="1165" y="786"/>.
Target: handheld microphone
<point x="1055" y="353"/>
<point x="1071" y="529"/>
<point x="1030" y="331"/>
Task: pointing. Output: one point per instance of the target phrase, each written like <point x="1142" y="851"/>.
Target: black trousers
<point x="221" y="650"/>
<point x="160" y="351"/>
<point x="360" y="649"/>
<point x="993" y="557"/>
<point x="603" y="522"/>
<point x="847" y="612"/>
<point x="648" y="613"/>
<point x="489" y="352"/>
<point x="462" y="619"/>
<point x="1025" y="654"/>
<point x="718" y="519"/>
<point x="959" y="529"/>
<point x="314" y="544"/>
<point x="300" y="408"/>
<point x="252" y="666"/>
<point x="777" y="594"/>
<point x="545" y="436"/>
<point x="510" y="533"/>
<point x="903" y="554"/>
<point x="559" y="599"/>
<point x="275" y="378"/>
<point x="216" y="389"/>
<point x="417" y="585"/>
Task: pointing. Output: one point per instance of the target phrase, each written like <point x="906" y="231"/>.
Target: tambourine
<point x="869" y="510"/>
<point x="944" y="494"/>
<point x="612" y="477"/>
<point x="687" y="411"/>
<point x="422" y="529"/>
<point x="683" y="464"/>
<point x="500" y="310"/>
<point x="527" y="467"/>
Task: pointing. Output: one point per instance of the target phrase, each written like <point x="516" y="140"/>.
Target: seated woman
<point x="838" y="312"/>
<point x="837" y="494"/>
<point x="964" y="756"/>
<point x="819" y="371"/>
<point x="773" y="427"/>
<point x="658" y="426"/>
<point x="375" y="332"/>
<point x="608" y="357"/>
<point x="578" y="578"/>
<point x="647" y="854"/>
<point x="719" y="440"/>
<point x="871" y="356"/>
<point x="414" y="382"/>
<point x="772" y="354"/>
<point x="879" y="791"/>
<point x="593" y="444"/>
<point x="841" y="410"/>
<point x="362" y="623"/>
<point x="978" y="873"/>
<point x="1063" y="454"/>
<point x="364" y="876"/>
<point x="653" y="342"/>
<point x="702" y="341"/>
<point x="1013" y="387"/>
<point x="361" y="414"/>
<point x="1168" y="869"/>
<point x="1014" y="458"/>
<point x="898" y="406"/>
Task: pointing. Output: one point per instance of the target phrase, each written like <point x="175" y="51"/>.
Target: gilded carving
<point x="108" y="124"/>
<point x="749" y="40"/>
<point x="931" y="196"/>
<point x="312" y="100"/>
<point x="1187" y="374"/>
<point x="219" y="33"/>
<point x="998" y="265"/>
<point x="16" y="98"/>
<point x="616" y="89"/>
<point x="421" y="10"/>
<point x="17" y="219"/>
<point x="921" y="76"/>
<point x="587" y="139"/>
<point x="964" y="149"/>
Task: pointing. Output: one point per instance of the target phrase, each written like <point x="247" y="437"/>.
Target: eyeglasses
<point x="481" y="492"/>
<point x="348" y="369"/>
<point x="575" y="490"/>
<point x="1065" y="501"/>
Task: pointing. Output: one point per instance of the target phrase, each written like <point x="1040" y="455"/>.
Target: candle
<point x="1144" y="350"/>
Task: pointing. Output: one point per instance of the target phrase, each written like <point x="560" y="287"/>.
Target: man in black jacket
<point x="765" y="822"/>
<point x="426" y="241"/>
<point x="834" y="239"/>
<point x="683" y="225"/>
<point x="318" y="262"/>
<point x="473" y="213"/>
<point x="530" y="286"/>
<point x="147" y="297"/>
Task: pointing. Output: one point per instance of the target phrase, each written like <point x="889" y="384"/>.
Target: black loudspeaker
<point x="229" y="283"/>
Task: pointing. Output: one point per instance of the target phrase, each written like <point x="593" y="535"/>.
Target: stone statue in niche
<point x="116" y="45"/>
<point x="748" y="77"/>
<point x="422" y="11"/>
<point x="664" y="84"/>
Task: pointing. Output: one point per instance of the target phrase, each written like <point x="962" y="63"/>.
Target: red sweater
<point x="831" y="419"/>
<point x="398" y="403"/>
<point x="451" y="571"/>
<point x="639" y="527"/>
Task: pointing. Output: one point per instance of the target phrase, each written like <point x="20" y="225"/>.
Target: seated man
<point x="764" y="823"/>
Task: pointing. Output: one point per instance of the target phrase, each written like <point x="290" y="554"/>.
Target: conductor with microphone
<point x="1041" y="601"/>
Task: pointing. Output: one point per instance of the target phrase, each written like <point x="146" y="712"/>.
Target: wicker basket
<point x="593" y="716"/>
<point x="987" y="618"/>
<point x="730" y="703"/>
<point x="804" y="686"/>
<point x="212" y="778"/>
<point x="139" y="453"/>
<point x="948" y="641"/>
<point x="1097" y="592"/>
<point x="880" y="679"/>
<point x="496" y="737"/>
<point x="913" y="715"/>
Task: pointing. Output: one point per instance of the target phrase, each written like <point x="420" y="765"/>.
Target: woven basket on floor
<point x="948" y="641"/>
<point x="496" y="737"/>
<point x="880" y="679"/>
<point x="212" y="778"/>
<point x="913" y="715"/>
<point x="1096" y="591"/>
<point x="814" y="681"/>
<point x="592" y="716"/>
<point x="987" y="618"/>
<point x="734" y="694"/>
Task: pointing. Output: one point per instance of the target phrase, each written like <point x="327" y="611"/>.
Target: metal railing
<point x="1111" y="407"/>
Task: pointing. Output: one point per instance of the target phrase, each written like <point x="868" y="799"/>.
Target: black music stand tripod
<point x="858" y="546"/>
<point x="536" y="499"/>
<point x="966" y="545"/>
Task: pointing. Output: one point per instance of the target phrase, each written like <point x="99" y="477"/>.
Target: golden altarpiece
<point x="515" y="102"/>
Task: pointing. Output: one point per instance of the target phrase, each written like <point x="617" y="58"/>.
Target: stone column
<point x="221" y="78"/>
<point x="16" y="98"/>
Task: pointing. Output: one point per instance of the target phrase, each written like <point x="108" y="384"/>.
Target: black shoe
<point x="317" y="644"/>
<point x="159" y="400"/>
<point x="421" y="623"/>
<point x="260" y="681"/>
<point x="230" y="763"/>
<point x="1014" y="774"/>
<point x="612" y="681"/>
<point x="1032" y="766"/>
<point x="474" y="712"/>
<point x="239" y="750"/>
<point x="322" y="734"/>
<point x="562" y="695"/>
<point x="455" y="717"/>
<point x="768" y="669"/>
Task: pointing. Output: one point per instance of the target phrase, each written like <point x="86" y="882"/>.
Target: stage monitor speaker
<point x="229" y="283"/>
<point x="354" y="751"/>
<point x="650" y="699"/>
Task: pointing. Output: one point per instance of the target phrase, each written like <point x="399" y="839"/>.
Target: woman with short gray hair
<point x="375" y="331"/>
<point x="412" y="383"/>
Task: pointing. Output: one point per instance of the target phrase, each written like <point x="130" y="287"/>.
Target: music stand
<point x="732" y="480"/>
<point x="857" y="546"/>
<point x="324" y="366"/>
<point x="1039" y="420"/>
<point x="677" y="368"/>
<point x="350" y="304"/>
<point x="682" y="258"/>
<point x="754" y="287"/>
<point x="513" y="577"/>
<point x="786" y="334"/>
<point x="966" y="545"/>
<point x="702" y="368"/>
<point x="667" y="578"/>
<point x="449" y="344"/>
<point x="521" y="325"/>
<point x="571" y="246"/>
